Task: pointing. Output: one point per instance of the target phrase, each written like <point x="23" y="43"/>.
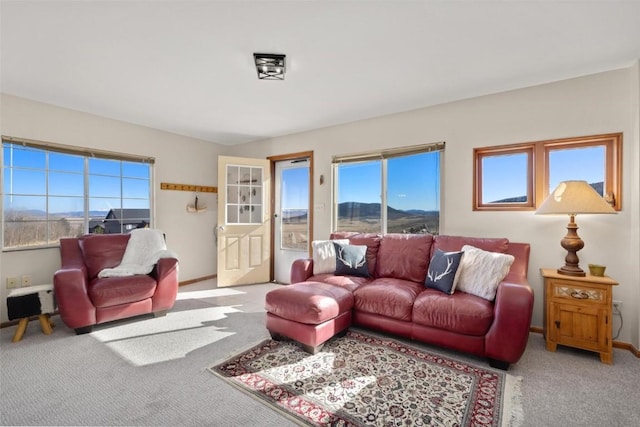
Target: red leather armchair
<point x="84" y="299"/>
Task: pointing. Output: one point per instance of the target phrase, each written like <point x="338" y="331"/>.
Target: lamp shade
<point x="574" y="197"/>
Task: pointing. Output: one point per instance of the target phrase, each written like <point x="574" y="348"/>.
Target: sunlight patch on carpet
<point x="153" y="340"/>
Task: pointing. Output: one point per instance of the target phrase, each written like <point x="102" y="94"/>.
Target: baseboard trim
<point x="198" y="279"/>
<point x="616" y="344"/>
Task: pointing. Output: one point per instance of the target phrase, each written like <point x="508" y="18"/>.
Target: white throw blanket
<point x="145" y="247"/>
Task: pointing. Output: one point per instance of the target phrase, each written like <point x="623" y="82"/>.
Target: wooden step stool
<point x="31" y="301"/>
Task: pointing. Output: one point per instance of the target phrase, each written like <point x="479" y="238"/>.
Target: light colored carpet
<point x="151" y="371"/>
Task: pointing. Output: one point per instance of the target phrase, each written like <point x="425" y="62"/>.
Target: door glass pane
<point x="504" y="178"/>
<point x="358" y="195"/>
<point x="294" y="199"/>
<point x="244" y="195"/>
<point x="584" y="163"/>
<point x="413" y="193"/>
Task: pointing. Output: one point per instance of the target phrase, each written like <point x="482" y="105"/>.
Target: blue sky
<point x="412" y="182"/>
<point x="506" y="175"/>
<point x="295" y="188"/>
<point x="65" y="186"/>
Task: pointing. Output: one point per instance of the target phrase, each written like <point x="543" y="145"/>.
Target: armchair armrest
<point x="301" y="270"/>
<point x="70" y="291"/>
<point x="166" y="275"/>
<point x="508" y="335"/>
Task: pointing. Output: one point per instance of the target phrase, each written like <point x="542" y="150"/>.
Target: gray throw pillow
<point x="351" y="260"/>
<point x="443" y="271"/>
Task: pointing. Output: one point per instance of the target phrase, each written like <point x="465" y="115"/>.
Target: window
<point x="394" y="191"/>
<point x="521" y="176"/>
<point x="52" y="191"/>
<point x="504" y="178"/>
<point x="244" y="195"/>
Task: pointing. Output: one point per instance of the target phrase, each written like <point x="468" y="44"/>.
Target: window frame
<point x="49" y="148"/>
<point x="382" y="156"/>
<point x="480" y="154"/>
<point x="538" y="179"/>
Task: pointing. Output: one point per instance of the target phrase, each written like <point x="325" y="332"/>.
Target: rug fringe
<point x="512" y="402"/>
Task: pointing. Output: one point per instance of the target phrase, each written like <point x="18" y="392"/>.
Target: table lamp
<point x="572" y="198"/>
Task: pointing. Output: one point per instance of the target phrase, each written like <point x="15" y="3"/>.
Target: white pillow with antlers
<point x="324" y="255"/>
<point x="444" y="271"/>
<point x="483" y="271"/>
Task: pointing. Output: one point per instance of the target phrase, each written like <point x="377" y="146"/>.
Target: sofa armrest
<point x="166" y="275"/>
<point x="301" y="270"/>
<point x="71" y="255"/>
<point x="70" y="291"/>
<point x="507" y="338"/>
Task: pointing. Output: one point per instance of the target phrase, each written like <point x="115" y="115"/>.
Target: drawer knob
<point x="579" y="295"/>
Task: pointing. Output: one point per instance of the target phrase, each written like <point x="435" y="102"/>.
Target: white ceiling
<point x="187" y="66"/>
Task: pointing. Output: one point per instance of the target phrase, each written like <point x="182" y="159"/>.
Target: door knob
<point x="221" y="228"/>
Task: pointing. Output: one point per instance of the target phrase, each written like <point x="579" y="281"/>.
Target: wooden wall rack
<point x="188" y="187"/>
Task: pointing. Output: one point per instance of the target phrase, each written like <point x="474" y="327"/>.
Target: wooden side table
<point x="23" y="303"/>
<point x="578" y="312"/>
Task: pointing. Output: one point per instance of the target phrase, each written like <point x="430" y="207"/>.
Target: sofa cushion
<point x="443" y="271"/>
<point x="351" y="260"/>
<point x="388" y="297"/>
<point x="461" y="313"/>
<point x="482" y="271"/>
<point x="112" y="291"/>
<point x="370" y="240"/>
<point x="351" y="283"/>
<point x="101" y="251"/>
<point x="455" y="243"/>
<point x="404" y="256"/>
<point x="324" y="255"/>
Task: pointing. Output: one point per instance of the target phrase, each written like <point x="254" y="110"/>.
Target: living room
<point x="606" y="100"/>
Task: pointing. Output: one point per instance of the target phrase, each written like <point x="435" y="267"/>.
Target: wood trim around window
<point x="613" y="163"/>
<point x="538" y="169"/>
<point x="479" y="154"/>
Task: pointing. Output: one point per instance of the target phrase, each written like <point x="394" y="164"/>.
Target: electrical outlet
<point x="26" y="280"/>
<point x="618" y="305"/>
<point x="12" y="282"/>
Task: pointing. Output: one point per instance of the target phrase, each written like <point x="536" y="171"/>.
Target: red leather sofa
<point x="395" y="301"/>
<point x="85" y="300"/>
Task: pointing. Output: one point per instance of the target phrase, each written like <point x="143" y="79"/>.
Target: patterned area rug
<point x="364" y="380"/>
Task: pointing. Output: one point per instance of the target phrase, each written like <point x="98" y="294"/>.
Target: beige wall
<point x="634" y="178"/>
<point x="178" y="159"/>
<point x="601" y="103"/>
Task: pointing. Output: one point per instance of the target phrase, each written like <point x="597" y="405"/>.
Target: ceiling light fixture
<point x="270" y="66"/>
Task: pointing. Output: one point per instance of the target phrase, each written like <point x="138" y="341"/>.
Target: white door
<point x="244" y="221"/>
<point x="291" y="219"/>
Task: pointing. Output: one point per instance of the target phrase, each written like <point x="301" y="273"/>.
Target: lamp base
<point x="572" y="243"/>
<point x="568" y="270"/>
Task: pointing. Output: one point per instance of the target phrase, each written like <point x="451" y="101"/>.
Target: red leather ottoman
<point x="309" y="313"/>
